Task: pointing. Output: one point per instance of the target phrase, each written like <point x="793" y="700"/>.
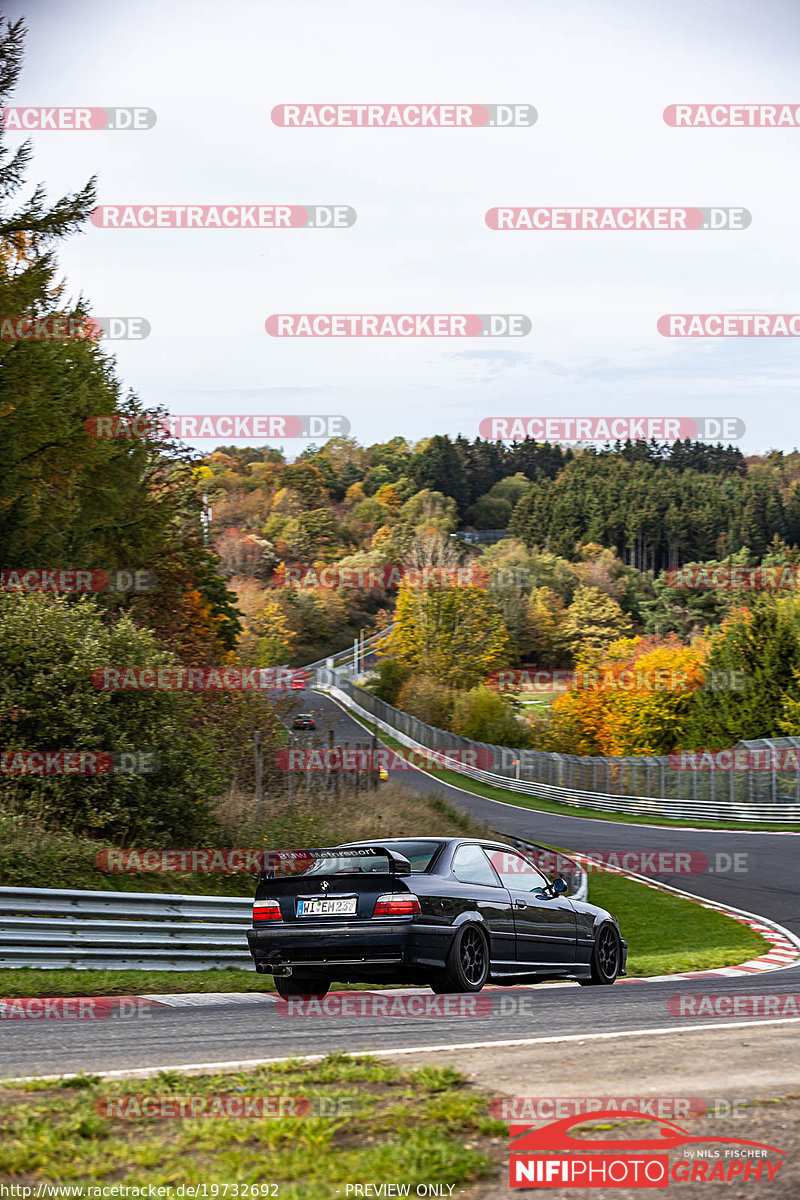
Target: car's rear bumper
<point x="356" y="948"/>
<point x="623" y="970"/>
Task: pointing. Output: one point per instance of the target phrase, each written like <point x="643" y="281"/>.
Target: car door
<point x="471" y="868"/>
<point x="545" y="929"/>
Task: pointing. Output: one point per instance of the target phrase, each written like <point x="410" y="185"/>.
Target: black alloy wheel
<point x="467" y="962"/>
<point x="606" y="957"/>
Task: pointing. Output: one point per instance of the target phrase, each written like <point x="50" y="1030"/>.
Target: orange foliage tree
<point x="634" y="699"/>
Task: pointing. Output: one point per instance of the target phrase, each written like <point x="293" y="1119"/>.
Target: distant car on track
<point x="453" y="913"/>
<point x="304" y="721"/>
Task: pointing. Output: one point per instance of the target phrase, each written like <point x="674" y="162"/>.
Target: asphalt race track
<point x="769" y="887"/>
<point x="235" y="1029"/>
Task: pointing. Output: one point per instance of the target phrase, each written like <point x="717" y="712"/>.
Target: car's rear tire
<point x="301" y="985"/>
<point x="606" y="957"/>
<point x="467" y="964"/>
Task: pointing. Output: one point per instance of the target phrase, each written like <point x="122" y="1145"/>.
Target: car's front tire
<point x="606" y="957"/>
<point x="467" y="965"/>
<point x="301" y="985"/>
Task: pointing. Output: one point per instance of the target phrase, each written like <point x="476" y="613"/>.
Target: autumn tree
<point x="593" y="621"/>
<point x="542" y="639"/>
<point x="453" y="634"/>
<point x="634" y="698"/>
<point x="243" y="553"/>
<point x="268" y="639"/>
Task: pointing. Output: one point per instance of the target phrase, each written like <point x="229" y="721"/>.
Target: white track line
<point x="250" y="1064"/>
<point x="564" y="816"/>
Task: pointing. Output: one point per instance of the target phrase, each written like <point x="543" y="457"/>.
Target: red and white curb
<point x="784" y="945"/>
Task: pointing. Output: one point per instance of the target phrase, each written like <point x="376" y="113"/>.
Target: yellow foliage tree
<point x="541" y="635"/>
<point x="268" y="637"/>
<point x="456" y="635"/>
<point x="633" y="699"/>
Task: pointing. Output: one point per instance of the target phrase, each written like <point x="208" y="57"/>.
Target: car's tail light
<point x="266" y="910"/>
<point x="401" y="905"/>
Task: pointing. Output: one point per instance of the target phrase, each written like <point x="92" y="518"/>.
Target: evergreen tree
<point x="758" y="649"/>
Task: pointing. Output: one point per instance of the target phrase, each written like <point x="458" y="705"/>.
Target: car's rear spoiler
<point x="398" y="863"/>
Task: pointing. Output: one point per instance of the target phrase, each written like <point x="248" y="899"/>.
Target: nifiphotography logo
<point x="550" y="1156"/>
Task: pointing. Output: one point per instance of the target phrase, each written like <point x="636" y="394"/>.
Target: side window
<point x="470" y="865"/>
<point x="515" y="871"/>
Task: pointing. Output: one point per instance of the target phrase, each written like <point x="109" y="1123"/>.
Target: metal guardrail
<point x="58" y="928"/>
<point x="345" y="656"/>
<point x="516" y="764"/>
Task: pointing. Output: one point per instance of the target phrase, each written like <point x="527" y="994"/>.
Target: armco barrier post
<point x="259" y="762"/>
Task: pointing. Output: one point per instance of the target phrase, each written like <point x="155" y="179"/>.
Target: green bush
<point x="426" y="698"/>
<point x="50" y="646"/>
<point x="485" y="716"/>
<point x="391" y="677"/>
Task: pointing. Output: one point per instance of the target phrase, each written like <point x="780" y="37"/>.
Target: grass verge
<point x="667" y="934"/>
<point x="403" y="1126"/>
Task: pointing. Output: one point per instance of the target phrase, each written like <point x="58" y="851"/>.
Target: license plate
<point x="328" y="906"/>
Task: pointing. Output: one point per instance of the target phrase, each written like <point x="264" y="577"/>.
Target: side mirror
<point x="556" y="888"/>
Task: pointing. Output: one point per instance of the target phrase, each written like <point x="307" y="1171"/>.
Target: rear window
<point x="419" y="854"/>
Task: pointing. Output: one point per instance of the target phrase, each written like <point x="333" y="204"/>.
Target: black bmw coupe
<point x="453" y="913"/>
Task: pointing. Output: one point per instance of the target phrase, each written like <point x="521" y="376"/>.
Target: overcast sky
<point x="599" y="76"/>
